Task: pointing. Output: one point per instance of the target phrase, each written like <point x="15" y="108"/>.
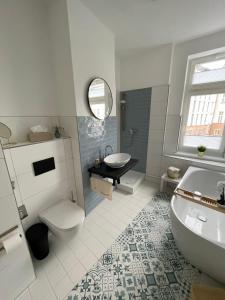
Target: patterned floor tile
<point x="143" y="263"/>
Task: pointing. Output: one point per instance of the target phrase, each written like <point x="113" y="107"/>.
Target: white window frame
<point x="195" y="90"/>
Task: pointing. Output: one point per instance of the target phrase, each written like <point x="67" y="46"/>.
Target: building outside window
<point x="220" y="117"/>
<point x="203" y="113"/>
<point x="223" y="99"/>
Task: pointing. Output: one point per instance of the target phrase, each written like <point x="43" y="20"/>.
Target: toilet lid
<point x="64" y="215"/>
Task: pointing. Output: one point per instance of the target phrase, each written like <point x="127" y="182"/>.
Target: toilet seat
<point x="63" y="215"/>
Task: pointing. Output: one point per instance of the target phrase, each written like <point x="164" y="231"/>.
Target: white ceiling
<point x="148" y="23"/>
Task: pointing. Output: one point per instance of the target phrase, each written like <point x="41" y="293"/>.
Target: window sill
<point x="206" y="160"/>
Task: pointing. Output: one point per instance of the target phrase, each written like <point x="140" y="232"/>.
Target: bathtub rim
<point x="173" y="210"/>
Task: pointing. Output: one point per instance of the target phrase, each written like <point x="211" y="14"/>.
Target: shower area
<point x="134" y="129"/>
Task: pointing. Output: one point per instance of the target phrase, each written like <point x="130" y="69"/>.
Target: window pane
<point x="99" y="110"/>
<point x="205" y="122"/>
<point x="212" y="71"/>
<point x="97" y="89"/>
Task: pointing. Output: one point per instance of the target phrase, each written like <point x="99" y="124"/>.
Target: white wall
<point x="93" y="53"/>
<point x="157" y="121"/>
<point x="146" y="68"/>
<point x="117" y="71"/>
<point x="27" y="83"/>
<point x="61" y="56"/>
<point x="150" y="68"/>
<point x="178" y="70"/>
<point x="39" y="192"/>
<point x="177" y="78"/>
<point x="20" y="126"/>
<point x="15" y="274"/>
<point x="159" y="67"/>
<point x="26" y="74"/>
<point x="49" y="53"/>
<point x="70" y="126"/>
<point x="64" y="78"/>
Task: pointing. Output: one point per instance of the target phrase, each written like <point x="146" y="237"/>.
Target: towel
<point x="102" y="187"/>
<point x="203" y="292"/>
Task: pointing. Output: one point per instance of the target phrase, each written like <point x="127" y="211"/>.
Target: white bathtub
<point x="202" y="243"/>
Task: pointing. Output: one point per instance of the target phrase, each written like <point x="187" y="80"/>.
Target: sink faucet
<point x="106" y="147"/>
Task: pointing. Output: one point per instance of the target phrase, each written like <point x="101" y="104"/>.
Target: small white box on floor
<point x="130" y="181"/>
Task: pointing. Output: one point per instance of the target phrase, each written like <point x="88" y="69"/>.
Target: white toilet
<point x="63" y="219"/>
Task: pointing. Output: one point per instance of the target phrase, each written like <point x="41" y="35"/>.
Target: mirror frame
<point x="89" y="105"/>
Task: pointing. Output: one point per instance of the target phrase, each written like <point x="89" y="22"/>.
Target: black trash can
<point x="37" y="237"/>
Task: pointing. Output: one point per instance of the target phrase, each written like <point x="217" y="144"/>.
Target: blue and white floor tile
<point x="143" y="263"/>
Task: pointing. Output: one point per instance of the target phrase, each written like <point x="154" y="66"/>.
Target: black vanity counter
<point x="114" y="173"/>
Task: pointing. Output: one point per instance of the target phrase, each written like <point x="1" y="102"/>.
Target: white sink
<point x="117" y="160"/>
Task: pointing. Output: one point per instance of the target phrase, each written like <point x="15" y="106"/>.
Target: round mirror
<point x="5" y="131"/>
<point x="100" y="98"/>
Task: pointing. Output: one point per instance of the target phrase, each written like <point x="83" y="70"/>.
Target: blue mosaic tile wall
<point x="94" y="135"/>
<point x="136" y="117"/>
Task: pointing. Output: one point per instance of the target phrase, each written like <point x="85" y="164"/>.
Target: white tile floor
<point x="68" y="262"/>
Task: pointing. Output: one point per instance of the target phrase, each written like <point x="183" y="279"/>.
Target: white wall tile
<point x="13" y="177"/>
<point x="157" y="122"/>
<point x="158" y="111"/>
<point x="156" y="136"/>
<point x="30" y="184"/>
<point x="9" y="162"/>
<point x="70" y="126"/>
<point x="155" y="148"/>
<point x="9" y="216"/>
<point x="154" y="166"/>
<point x="171" y="133"/>
<point x="68" y="148"/>
<point x="43" y="200"/>
<point x="158" y="107"/>
<point x="160" y="93"/>
<point x="39" y="192"/>
<point x="23" y="157"/>
<point x="69" y="168"/>
<point x="6" y="188"/>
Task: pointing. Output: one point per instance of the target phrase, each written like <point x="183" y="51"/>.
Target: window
<point x="223" y="99"/>
<point x="220" y="117"/>
<point x="203" y="113"/>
